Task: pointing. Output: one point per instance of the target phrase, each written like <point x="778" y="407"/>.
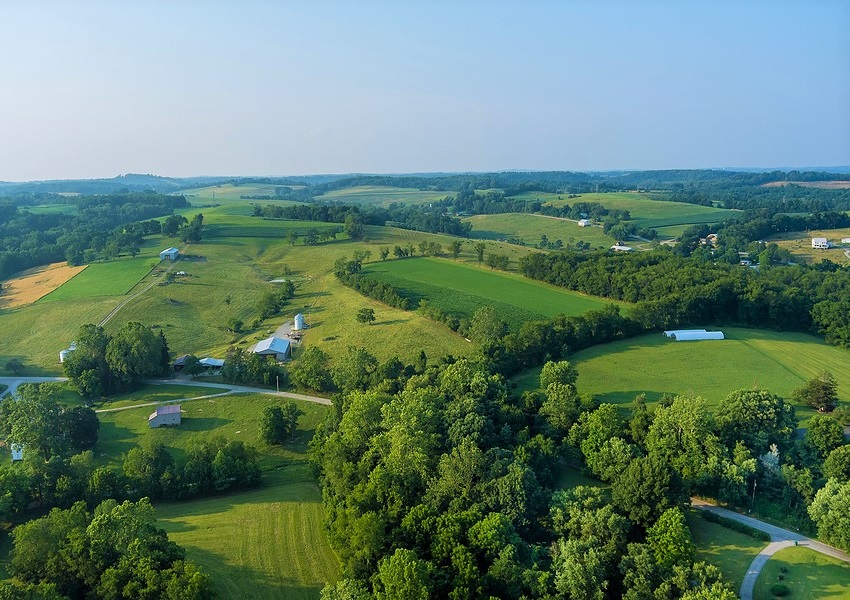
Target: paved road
<point x="780" y="538"/>
<point x="14" y="382"/>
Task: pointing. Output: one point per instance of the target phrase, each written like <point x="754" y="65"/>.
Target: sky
<point x="93" y="89"/>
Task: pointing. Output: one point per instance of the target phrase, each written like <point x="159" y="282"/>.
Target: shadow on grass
<point x="190" y="423"/>
<point x="118" y="439"/>
<point x="391" y="322"/>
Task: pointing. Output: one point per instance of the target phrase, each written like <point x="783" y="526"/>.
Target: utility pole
<point x="277" y="385"/>
<point x="754" y="495"/>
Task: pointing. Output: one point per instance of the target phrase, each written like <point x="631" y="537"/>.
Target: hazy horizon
<point x="96" y="89"/>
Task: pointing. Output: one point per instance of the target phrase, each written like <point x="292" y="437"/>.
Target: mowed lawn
<point x="462" y="289"/>
<point x="655" y="365"/>
<point x="530" y="228"/>
<point x="262" y="543"/>
<point x="808" y="574"/>
<point x="112" y="278"/>
<point x="727" y="549"/>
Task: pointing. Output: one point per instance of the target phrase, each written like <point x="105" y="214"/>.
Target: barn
<point x="168" y="414"/>
<point x="169" y="254"/>
<point x="689" y="335"/>
<point x="820" y="243"/>
<point x="274" y="346"/>
<point x="672" y="332"/>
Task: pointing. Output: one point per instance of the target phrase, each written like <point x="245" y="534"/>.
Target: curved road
<point x="780" y="538"/>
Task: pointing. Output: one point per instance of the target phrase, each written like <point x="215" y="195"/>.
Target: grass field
<point x="158" y="393"/>
<point x="462" y="289"/>
<point x="377" y="195"/>
<point x="529" y="229"/>
<point x="228" y="191"/>
<point x="808" y="574"/>
<point x="654" y="365"/>
<point x="645" y="211"/>
<point x="730" y="551"/>
<point x="799" y="244"/>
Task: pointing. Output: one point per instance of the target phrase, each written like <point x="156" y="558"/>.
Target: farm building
<point x="212" y="363"/>
<point x="820" y="243"/>
<point x="299" y="322"/>
<point x="169" y="254"/>
<point x="17" y="452"/>
<point x="845" y="240"/>
<point x="274" y="346"/>
<point x="165" y="415"/>
<point x="688" y="335"/>
<point x="180" y="362"/>
<point x="584" y="223"/>
<point x="672" y="332"/>
<point x="621" y="248"/>
<point x="63" y="354"/>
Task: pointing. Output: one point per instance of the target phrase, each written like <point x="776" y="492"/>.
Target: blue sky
<point x="96" y="89"/>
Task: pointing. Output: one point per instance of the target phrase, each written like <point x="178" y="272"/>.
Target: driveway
<point x="780" y="538"/>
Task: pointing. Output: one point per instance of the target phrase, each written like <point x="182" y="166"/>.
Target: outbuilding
<point x="820" y="243"/>
<point x="672" y="332"/>
<point x="180" y="362"/>
<point x="845" y="240"/>
<point x="584" y="223"/>
<point x="17" y="452"/>
<point x="274" y="346"/>
<point x="63" y="354"/>
<point x="169" y="254"/>
<point x="212" y="363"/>
<point x="168" y="414"/>
<point x="689" y="336"/>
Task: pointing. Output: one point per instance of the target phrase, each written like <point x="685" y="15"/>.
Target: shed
<point x="584" y="223"/>
<point x="621" y="248"/>
<point x="299" y="322"/>
<point x="820" y="243"/>
<point x="274" y="346"/>
<point x="688" y="336"/>
<point x="169" y="254"/>
<point x="212" y="363"/>
<point x="672" y="332"/>
<point x="180" y="362"/>
<point x="17" y="452"/>
<point x="168" y="414"/>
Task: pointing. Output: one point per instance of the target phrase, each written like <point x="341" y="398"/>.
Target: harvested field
<point x="35" y="283"/>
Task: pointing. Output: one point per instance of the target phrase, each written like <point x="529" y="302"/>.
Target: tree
<point x="455" y="248"/>
<point x="80" y="425"/>
<point x="670" y="540"/>
<point x="757" y="418"/>
<point x="172" y="224"/>
<point x="86" y="366"/>
<point x="829" y="511"/>
<point x="366" y="315"/>
<point x="647" y="488"/>
<point x="34" y="418"/>
<point x="825" y="433"/>
<point x="640" y="420"/>
<point x="279" y="423"/>
<point x="561" y="372"/>
<point x="486" y="326"/>
<point x="134" y="353"/>
<point x="479" y="252"/>
<point x="345" y="589"/>
<point x="354" y="370"/>
<point x="193" y="231"/>
<point x="404" y="575"/>
<point x="353" y="226"/>
<point x="837" y="464"/>
<point x="311" y="370"/>
<point x="820" y="393"/>
<point x="384" y="252"/>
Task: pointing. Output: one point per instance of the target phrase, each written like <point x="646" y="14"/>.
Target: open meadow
<point x="799" y="244"/>
<point x="806" y="574"/>
<point x="655" y="365"/>
<point x="461" y="289"/>
<point x="379" y="195"/>
<point x="528" y="228"/>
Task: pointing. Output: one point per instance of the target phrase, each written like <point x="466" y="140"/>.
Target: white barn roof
<point x="272" y="345"/>
<point x="672" y="332"/>
<point x="687" y="336"/>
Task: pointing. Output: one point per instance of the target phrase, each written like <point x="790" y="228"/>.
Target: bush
<point x="779" y="590"/>
<point x="735" y="526"/>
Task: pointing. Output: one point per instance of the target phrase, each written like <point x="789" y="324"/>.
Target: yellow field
<point x="799" y="244"/>
<point x="32" y="284"/>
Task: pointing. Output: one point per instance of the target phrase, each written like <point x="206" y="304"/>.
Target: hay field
<point x="799" y="244"/>
<point x="32" y="284"/>
<point x="530" y="227"/>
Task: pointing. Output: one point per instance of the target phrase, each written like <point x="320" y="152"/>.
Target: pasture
<point x="530" y="227"/>
<point x="32" y="284"/>
<point x="646" y="210"/>
<point x="799" y="244"/>
<point x="807" y="574"/>
<point x="655" y="365"/>
<point x="229" y="191"/>
<point x="727" y="549"/>
<point x="377" y="195"/>
<point x="461" y="289"/>
<point x="262" y="543"/>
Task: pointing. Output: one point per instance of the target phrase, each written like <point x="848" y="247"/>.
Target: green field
<point x="730" y="551"/>
<point x="654" y="365"/>
<point x="263" y="543"/>
<point x="808" y="574"/>
<point x="377" y="195"/>
<point x="645" y="211"/>
<point x="529" y="229"/>
<point x="231" y="192"/>
<point x="158" y="393"/>
<point x="462" y="289"/>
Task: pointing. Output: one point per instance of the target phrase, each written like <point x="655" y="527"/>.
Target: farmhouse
<point x="688" y="335"/>
<point x="169" y="254"/>
<point x="274" y="346"/>
<point x="584" y="223"/>
<point x="820" y="243"/>
<point x="165" y="415"/>
<point x="63" y="354"/>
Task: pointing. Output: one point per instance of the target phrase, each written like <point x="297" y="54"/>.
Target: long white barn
<point x="686" y="335"/>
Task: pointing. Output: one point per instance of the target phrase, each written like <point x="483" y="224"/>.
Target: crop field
<point x="728" y="550"/>
<point x="645" y="211"/>
<point x="228" y="191"/>
<point x="263" y="543"/>
<point x="808" y="574"/>
<point x="32" y="284"/>
<point x="462" y="289"/>
<point x="799" y="244"/>
<point x="529" y="228"/>
<point x="376" y="195"/>
<point x="654" y="365"/>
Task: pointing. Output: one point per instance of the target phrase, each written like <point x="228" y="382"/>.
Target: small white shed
<point x="168" y="414"/>
<point x="584" y="223"/>
<point x="63" y="354"/>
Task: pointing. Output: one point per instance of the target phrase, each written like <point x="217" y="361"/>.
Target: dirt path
<point x="780" y="538"/>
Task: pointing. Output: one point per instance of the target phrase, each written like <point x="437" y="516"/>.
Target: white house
<point x="274" y="346"/>
<point x="820" y="243"/>
<point x="584" y="223"/>
<point x="168" y="414"/>
<point x="169" y="254"/>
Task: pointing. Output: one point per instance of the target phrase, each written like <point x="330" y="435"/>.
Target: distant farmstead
<point x="820" y="243"/>
<point x="584" y="223"/>
<point x="274" y="346"/>
<point x="621" y="248"/>
<point x="688" y="335"/>
<point x="165" y="415"/>
<point x="169" y="254"/>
